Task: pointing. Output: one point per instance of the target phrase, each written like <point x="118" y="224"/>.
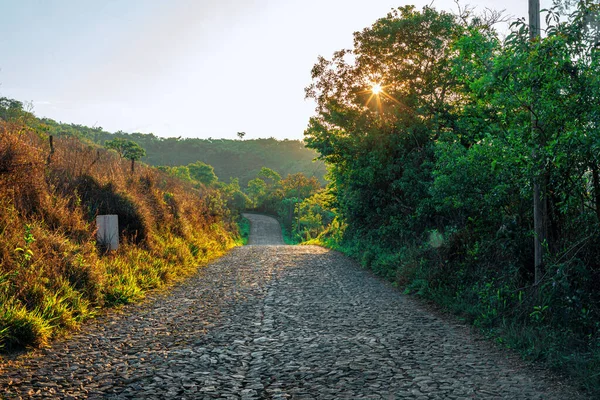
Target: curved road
<point x="264" y="230"/>
<point x="269" y="321"/>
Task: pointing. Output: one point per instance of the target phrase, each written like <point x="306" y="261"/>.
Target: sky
<point x="189" y="68"/>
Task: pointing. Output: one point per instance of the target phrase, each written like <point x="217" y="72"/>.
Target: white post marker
<point x="108" y="231"/>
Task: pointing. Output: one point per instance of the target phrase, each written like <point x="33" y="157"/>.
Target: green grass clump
<point x="244" y="229"/>
<point x="21" y="327"/>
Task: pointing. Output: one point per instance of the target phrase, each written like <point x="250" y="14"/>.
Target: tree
<point x="270" y="176"/>
<point x="202" y="173"/>
<point x="257" y="188"/>
<point x="298" y="185"/>
<point x="126" y="149"/>
<point x="15" y="111"/>
<point x="10" y="109"/>
<point x="380" y="108"/>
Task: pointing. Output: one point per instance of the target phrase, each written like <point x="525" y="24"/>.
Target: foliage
<point x="431" y="179"/>
<point x="270" y="194"/>
<point x="244" y="229"/>
<point x="315" y="215"/>
<point x="203" y="173"/>
<point x="197" y="173"/>
<point x="126" y="149"/>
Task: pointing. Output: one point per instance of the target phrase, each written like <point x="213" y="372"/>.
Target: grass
<point x="244" y="229"/>
<point x="53" y="275"/>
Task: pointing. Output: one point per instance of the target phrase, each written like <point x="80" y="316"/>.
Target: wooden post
<point x="49" y="159"/>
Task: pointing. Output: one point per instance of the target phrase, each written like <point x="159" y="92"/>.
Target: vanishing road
<point x="270" y="321"/>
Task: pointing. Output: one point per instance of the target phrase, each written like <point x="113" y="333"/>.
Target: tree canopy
<point x="126" y="149"/>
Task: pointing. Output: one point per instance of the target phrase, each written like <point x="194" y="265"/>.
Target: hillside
<point x="240" y="159"/>
<point x="53" y="272"/>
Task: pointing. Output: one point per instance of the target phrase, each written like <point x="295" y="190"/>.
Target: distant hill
<point x="240" y="159"/>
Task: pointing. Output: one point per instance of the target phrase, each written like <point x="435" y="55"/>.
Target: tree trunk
<point x="132" y="165"/>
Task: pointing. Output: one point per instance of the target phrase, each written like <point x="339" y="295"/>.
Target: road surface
<point x="269" y="321"/>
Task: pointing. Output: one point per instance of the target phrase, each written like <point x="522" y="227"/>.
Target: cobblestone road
<point x="276" y="322"/>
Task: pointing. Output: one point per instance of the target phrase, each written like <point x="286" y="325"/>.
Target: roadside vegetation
<point x="53" y="273"/>
<point x="434" y="130"/>
<point x="297" y="201"/>
<point x="244" y="229"/>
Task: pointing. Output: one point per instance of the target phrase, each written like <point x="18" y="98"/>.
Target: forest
<point x="438" y="133"/>
<point x="241" y="159"/>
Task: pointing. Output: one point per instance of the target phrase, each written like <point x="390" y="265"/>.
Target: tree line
<point x="241" y="159"/>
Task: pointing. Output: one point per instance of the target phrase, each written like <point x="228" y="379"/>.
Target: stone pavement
<point x="277" y="322"/>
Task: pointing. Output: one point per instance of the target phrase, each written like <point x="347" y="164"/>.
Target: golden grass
<point x="52" y="274"/>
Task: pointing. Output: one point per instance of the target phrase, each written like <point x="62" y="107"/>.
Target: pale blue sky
<point x="191" y="68"/>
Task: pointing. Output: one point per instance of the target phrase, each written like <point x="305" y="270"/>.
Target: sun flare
<point x="377" y="94"/>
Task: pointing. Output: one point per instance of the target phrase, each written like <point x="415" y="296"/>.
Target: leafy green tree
<point x="300" y="186"/>
<point x="257" y="189"/>
<point x="270" y="176"/>
<point x="236" y="199"/>
<point x="181" y="172"/>
<point x="294" y="189"/>
<point x="10" y="109"/>
<point x="118" y="145"/>
<point x="126" y="149"/>
<point x="379" y="113"/>
<point x="15" y="111"/>
<point x="202" y="173"/>
<point x="315" y="215"/>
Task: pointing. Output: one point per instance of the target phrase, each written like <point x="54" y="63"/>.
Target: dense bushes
<point x="52" y="273"/>
<point x="432" y="176"/>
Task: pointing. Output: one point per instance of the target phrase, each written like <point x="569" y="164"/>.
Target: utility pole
<point x="538" y="207"/>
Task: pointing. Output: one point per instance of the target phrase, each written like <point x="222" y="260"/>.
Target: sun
<point x="377" y="92"/>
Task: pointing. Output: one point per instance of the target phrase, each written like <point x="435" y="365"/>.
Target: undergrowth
<point x="244" y="229"/>
<point x="289" y="238"/>
<point x="53" y="274"/>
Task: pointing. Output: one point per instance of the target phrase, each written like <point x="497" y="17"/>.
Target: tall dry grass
<point x="52" y="273"/>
